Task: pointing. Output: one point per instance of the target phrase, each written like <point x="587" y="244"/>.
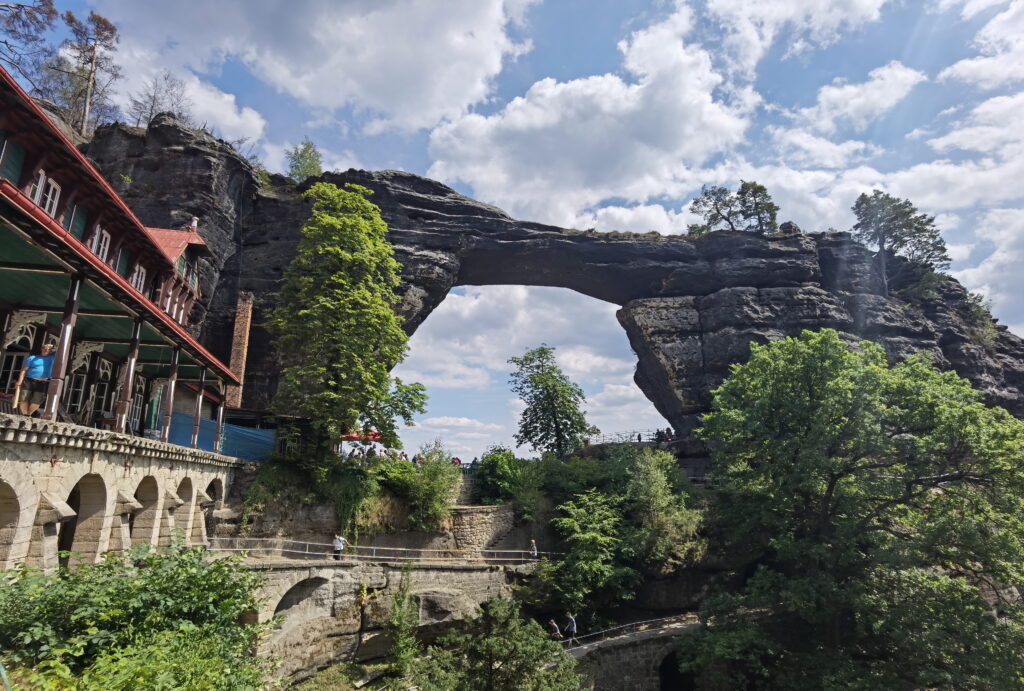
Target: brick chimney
<point x="240" y="347"/>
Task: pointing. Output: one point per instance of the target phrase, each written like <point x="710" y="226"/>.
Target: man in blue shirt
<point x="34" y="379"/>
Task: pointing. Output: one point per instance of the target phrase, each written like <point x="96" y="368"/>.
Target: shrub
<point x="428" y="487"/>
<point x="502" y="477"/>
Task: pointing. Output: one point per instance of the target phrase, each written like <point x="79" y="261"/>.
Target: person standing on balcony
<point x="339" y="545"/>
<point x="35" y="378"/>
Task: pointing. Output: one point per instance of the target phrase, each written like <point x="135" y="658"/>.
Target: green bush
<point x="428" y="487"/>
<point x="501" y="477"/>
<point x="103" y="618"/>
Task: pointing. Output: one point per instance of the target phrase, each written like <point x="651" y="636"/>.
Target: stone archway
<point x="671" y="678"/>
<point x="144" y="523"/>
<point x="82" y="535"/>
<point x="215" y="491"/>
<point x="10" y="511"/>
<point x="312" y="627"/>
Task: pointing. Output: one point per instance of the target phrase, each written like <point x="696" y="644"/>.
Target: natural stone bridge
<point x="90" y="491"/>
<point x="690" y="307"/>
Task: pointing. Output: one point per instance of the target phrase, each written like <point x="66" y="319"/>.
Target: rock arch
<point x="144" y="525"/>
<point x="83" y="535"/>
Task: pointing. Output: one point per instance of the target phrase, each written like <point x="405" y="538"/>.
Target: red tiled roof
<point x="173" y="242"/>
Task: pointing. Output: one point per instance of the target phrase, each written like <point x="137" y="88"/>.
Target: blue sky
<point x="612" y="114"/>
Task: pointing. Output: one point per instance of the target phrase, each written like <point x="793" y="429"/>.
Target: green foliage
<point x="894" y="226"/>
<point x="870" y="505"/>
<point x="401" y="624"/>
<point x="501" y="477"/>
<point x="749" y="209"/>
<point x="498" y="651"/>
<point x="590" y="576"/>
<point x="552" y="420"/>
<point x="335" y="329"/>
<point x="304" y="161"/>
<point x="980" y="324"/>
<point x="429" y="487"/>
<point x="106" y="623"/>
<point x="663" y="530"/>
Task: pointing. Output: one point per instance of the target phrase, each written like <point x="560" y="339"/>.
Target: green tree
<point x="750" y="209"/>
<point x="430" y="487"/>
<point x="590" y="575"/>
<point x="894" y="226"/>
<point x="163" y="92"/>
<point x="498" y="651"/>
<point x="335" y="328"/>
<point x="304" y="161"/>
<point x="502" y="477"/>
<point x="871" y="511"/>
<point x="552" y="420"/>
<point x="401" y="624"/>
<point x="663" y="529"/>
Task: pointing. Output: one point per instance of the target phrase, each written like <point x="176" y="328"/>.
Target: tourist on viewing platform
<point x="639" y="438"/>
<point x="339" y="546"/>
<point x="533" y="549"/>
<point x="669" y="435"/>
<point x="659" y="436"/>
<point x="457" y="462"/>
<point x="33" y="380"/>
<point x="553" y="630"/>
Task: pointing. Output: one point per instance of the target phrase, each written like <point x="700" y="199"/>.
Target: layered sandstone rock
<point x="690" y="307"/>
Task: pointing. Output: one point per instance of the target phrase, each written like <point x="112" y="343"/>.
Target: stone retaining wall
<point x="479" y="527"/>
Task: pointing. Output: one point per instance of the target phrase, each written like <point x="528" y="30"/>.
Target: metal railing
<point x="296" y="549"/>
<point x="629" y="437"/>
<point x="625" y="629"/>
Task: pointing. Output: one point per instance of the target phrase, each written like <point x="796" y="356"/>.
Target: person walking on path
<point x="570" y="628"/>
<point x="553" y="630"/>
<point x="339" y="545"/>
<point x="35" y="377"/>
<point x="533" y="549"/>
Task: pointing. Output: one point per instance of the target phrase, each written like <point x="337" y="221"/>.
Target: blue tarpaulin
<point x="181" y="430"/>
<point x="249" y="443"/>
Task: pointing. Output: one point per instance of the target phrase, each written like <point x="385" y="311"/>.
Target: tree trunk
<point x="90" y="83"/>
<point x="883" y="269"/>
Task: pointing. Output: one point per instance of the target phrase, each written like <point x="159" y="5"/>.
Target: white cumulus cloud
<point x="1001" y="46"/>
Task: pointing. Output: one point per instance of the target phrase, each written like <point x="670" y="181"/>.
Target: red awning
<point x="357" y="436"/>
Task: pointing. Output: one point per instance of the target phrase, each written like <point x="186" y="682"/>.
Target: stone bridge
<point x="90" y="491"/>
<point x="637" y="661"/>
<point x="333" y="611"/>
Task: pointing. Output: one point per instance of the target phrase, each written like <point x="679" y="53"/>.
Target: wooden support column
<point x="220" y="418"/>
<point x="172" y="379"/>
<point x="124" y="401"/>
<point x="199" y="408"/>
<point x="60" y="359"/>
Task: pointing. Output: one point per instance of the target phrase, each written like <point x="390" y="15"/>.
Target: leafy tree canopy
<point x="334" y="325"/>
<point x="22" y="29"/>
<point x="749" y="209"/>
<point x="498" y="651"/>
<point x="303" y="161"/>
<point x="895" y="226"/>
<point x="552" y="420"/>
<point x="876" y="512"/>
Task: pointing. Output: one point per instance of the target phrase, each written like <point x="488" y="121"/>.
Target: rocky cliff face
<point x="690" y="307"/>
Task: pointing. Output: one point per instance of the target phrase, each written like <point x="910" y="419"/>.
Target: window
<point x="10" y="369"/>
<point x="138" y="401"/>
<point x="76" y="392"/>
<point x="100" y="244"/>
<point x="46" y="193"/>
<point x="138" y="279"/>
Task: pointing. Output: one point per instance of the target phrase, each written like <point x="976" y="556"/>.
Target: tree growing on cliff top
<point x="334" y="325"/>
<point x="162" y="92"/>
<point x="552" y="420"/>
<point x="304" y="161"/>
<point x="875" y="512"/>
<point x="893" y="225"/>
<point x="90" y="49"/>
<point x="750" y="209"/>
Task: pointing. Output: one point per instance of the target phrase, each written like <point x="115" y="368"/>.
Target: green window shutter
<point x="124" y="259"/>
<point x="69" y="215"/>
<point x="14" y="157"/>
<point x="78" y="222"/>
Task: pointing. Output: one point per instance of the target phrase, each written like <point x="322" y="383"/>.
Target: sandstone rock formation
<point x="689" y="307"/>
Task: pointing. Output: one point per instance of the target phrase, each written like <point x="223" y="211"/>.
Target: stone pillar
<point x="199" y="408"/>
<point x="220" y="420"/>
<point x="172" y="379"/>
<point x="124" y="401"/>
<point x="60" y="359"/>
<point x="240" y="346"/>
